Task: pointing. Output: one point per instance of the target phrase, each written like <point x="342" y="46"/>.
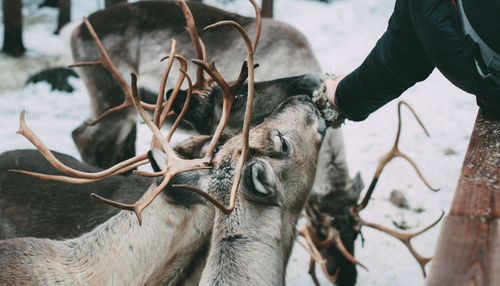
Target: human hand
<point x="330" y="85"/>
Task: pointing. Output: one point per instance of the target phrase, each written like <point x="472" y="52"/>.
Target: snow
<point x="341" y="33"/>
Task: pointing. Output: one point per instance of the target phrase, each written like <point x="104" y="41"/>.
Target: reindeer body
<point x="118" y="252"/>
<point x="26" y="203"/>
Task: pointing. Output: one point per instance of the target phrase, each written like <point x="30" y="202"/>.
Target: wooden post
<point x="468" y="249"/>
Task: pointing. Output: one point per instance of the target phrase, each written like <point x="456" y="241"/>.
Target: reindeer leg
<point x="312" y="271"/>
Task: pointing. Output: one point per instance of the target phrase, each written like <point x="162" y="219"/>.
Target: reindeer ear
<point x="158" y="160"/>
<point x="260" y="184"/>
<point x="260" y="179"/>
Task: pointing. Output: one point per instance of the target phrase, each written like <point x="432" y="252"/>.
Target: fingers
<point x="330" y="84"/>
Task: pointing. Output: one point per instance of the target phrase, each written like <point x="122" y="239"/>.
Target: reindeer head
<point x="286" y="141"/>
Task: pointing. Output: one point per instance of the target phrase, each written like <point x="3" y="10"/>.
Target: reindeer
<point x="274" y="148"/>
<point x="119" y="251"/>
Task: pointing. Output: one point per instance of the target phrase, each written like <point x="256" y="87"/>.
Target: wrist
<point x="325" y="101"/>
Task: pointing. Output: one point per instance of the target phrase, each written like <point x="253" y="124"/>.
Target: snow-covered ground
<point x="341" y="33"/>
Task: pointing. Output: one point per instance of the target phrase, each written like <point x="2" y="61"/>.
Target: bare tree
<point x="113" y="2"/>
<point x="13" y="23"/>
<point x="64" y="14"/>
<point x="267" y="8"/>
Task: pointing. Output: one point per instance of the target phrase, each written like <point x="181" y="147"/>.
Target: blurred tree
<point x="267" y="8"/>
<point x="49" y="3"/>
<point x="13" y="23"/>
<point x="113" y="2"/>
<point x="64" y="14"/>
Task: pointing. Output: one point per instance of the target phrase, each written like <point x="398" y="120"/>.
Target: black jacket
<point x="421" y="35"/>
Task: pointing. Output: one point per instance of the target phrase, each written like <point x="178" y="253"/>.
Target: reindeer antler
<point x="405" y="239"/>
<point x="175" y="164"/>
<point x="105" y="61"/>
<point x="393" y="153"/>
<point x="323" y="223"/>
<point x="202" y="84"/>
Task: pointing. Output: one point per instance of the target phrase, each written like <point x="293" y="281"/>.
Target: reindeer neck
<point x="248" y="250"/>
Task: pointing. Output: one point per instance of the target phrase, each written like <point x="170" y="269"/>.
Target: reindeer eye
<point x="281" y="144"/>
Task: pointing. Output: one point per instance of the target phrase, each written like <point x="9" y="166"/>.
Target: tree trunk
<point x="13" y="23"/>
<point x="113" y="2"/>
<point x="64" y="14"/>
<point x="267" y="8"/>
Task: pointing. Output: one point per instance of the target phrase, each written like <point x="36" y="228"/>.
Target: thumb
<point x="330" y="85"/>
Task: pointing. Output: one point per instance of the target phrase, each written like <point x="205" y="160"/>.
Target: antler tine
<point x="161" y="90"/>
<point x="307" y="233"/>
<point x="139" y="206"/>
<point x="393" y="153"/>
<point x="201" y="83"/>
<point x="341" y="247"/>
<point x="166" y="110"/>
<point x="313" y="251"/>
<point x="158" y="136"/>
<point x="258" y="25"/>
<point x="106" y="62"/>
<point x="323" y="222"/>
<point x="73" y="180"/>
<point x="28" y="134"/>
<point x="405" y="238"/>
<point x="184" y="107"/>
<point x="226" y="104"/>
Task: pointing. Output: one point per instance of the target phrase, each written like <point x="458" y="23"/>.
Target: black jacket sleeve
<point x="421" y="35"/>
<point x="396" y="63"/>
